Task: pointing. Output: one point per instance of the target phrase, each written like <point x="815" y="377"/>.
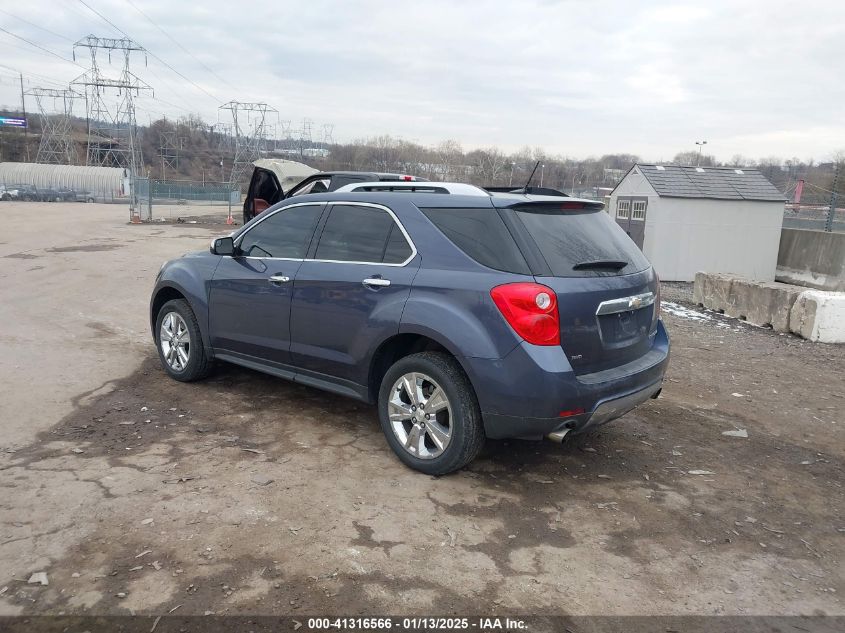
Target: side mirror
<point x="223" y="246"/>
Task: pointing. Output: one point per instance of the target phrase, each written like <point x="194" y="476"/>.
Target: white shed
<point x="701" y="219"/>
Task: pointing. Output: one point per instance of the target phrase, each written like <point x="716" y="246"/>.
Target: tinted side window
<point x="397" y="249"/>
<point x="570" y="241"/>
<point x="481" y="234"/>
<point x="361" y="234"/>
<point x="284" y="234"/>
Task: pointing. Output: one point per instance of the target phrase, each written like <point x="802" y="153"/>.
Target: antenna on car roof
<point x="525" y="188"/>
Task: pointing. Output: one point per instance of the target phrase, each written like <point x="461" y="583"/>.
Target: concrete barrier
<point x="813" y="314"/>
<point x="762" y="303"/>
<point x="819" y="316"/>
<point x="814" y="259"/>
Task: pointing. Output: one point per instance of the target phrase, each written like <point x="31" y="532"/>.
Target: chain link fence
<point x="813" y="217"/>
<point x="168" y="200"/>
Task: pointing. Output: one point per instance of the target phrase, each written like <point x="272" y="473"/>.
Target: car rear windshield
<point x="481" y="234"/>
<point x="581" y="243"/>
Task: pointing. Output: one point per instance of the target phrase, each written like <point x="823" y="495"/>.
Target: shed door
<point x="630" y="215"/>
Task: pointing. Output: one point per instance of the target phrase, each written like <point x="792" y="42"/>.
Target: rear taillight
<point x="407" y="178"/>
<point x="531" y="310"/>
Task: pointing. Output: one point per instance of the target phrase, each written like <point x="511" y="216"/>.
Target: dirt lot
<point x="135" y="493"/>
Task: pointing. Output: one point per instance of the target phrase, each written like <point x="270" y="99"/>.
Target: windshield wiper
<point x="601" y="264"/>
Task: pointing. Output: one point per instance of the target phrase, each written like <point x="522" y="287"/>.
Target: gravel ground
<point x="245" y="494"/>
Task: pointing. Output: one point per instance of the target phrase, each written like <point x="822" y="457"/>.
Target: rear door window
<point x="581" y="243"/>
<point x="481" y="234"/>
<point x="285" y="234"/>
<point x="363" y="234"/>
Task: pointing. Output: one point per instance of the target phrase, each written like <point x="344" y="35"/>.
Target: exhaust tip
<point x="557" y="436"/>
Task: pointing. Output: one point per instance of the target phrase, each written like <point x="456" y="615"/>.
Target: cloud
<point x="571" y="77"/>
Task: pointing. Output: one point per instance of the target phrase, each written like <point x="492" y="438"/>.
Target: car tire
<point x="453" y="435"/>
<point x="177" y="327"/>
<point x="89" y="200"/>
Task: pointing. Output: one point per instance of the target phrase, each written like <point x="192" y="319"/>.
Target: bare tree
<point x="448" y="152"/>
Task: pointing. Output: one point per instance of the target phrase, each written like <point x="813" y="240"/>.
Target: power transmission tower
<point x="249" y="122"/>
<point x="327" y="138"/>
<point x="56" y="144"/>
<point x="286" y="135"/>
<point x="224" y="138"/>
<point x="168" y="150"/>
<point x="305" y="137"/>
<point x="112" y="132"/>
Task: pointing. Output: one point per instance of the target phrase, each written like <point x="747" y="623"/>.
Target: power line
<point x="153" y="55"/>
<point x="37" y="26"/>
<point x="42" y="78"/>
<point x="177" y="42"/>
<point x="46" y="50"/>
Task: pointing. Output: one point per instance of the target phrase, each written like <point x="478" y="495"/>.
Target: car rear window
<point x="581" y="243"/>
<point x="481" y="234"/>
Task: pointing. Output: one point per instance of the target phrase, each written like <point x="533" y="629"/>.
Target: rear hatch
<point x="605" y="286"/>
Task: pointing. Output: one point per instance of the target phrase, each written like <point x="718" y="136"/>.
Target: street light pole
<point x="542" y="173"/>
<point x="513" y="165"/>
<point x="700" y="144"/>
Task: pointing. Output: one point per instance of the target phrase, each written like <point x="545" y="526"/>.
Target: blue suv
<point x="462" y="314"/>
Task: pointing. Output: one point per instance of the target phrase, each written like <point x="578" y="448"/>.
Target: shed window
<point x="622" y="209"/>
<point x="638" y="210"/>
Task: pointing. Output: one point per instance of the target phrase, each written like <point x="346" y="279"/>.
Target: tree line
<point x="194" y="151"/>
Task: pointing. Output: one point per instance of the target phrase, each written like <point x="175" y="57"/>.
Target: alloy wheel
<point x="175" y="341"/>
<point x="420" y="415"/>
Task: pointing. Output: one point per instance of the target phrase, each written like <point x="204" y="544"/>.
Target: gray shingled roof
<point x="719" y="183"/>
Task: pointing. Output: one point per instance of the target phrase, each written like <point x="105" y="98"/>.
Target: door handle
<point x="376" y="282"/>
<point x="279" y="278"/>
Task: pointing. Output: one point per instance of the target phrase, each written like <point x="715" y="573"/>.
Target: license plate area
<point x="625" y="327"/>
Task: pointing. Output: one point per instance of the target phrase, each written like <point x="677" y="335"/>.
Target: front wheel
<point x="429" y="413"/>
<point x="179" y="342"/>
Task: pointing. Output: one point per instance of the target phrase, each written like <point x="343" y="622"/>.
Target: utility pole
<point x="828" y="225"/>
<point x="700" y="144"/>
<point x="513" y="166"/>
<point x="26" y="123"/>
<point x="542" y="173"/>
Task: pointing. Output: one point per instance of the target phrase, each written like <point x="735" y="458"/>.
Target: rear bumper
<point x="524" y="394"/>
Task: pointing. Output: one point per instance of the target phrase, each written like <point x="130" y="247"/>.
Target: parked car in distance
<point x="8" y="193"/>
<point x="461" y="314"/>
<point x="84" y="196"/>
<point x="271" y="180"/>
<point x="56" y="194"/>
<point x="24" y="192"/>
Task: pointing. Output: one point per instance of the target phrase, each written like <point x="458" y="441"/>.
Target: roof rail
<point x="537" y="191"/>
<point x="454" y="188"/>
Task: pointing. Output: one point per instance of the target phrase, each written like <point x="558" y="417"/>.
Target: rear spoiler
<point x="537" y="191"/>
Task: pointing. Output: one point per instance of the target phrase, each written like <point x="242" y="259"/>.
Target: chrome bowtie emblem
<point x="635" y="302"/>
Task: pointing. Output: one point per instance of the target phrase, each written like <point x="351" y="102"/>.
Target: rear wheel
<point x="179" y="342"/>
<point x="429" y="413"/>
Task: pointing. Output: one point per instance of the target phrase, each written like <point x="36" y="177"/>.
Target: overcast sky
<point x="756" y="78"/>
